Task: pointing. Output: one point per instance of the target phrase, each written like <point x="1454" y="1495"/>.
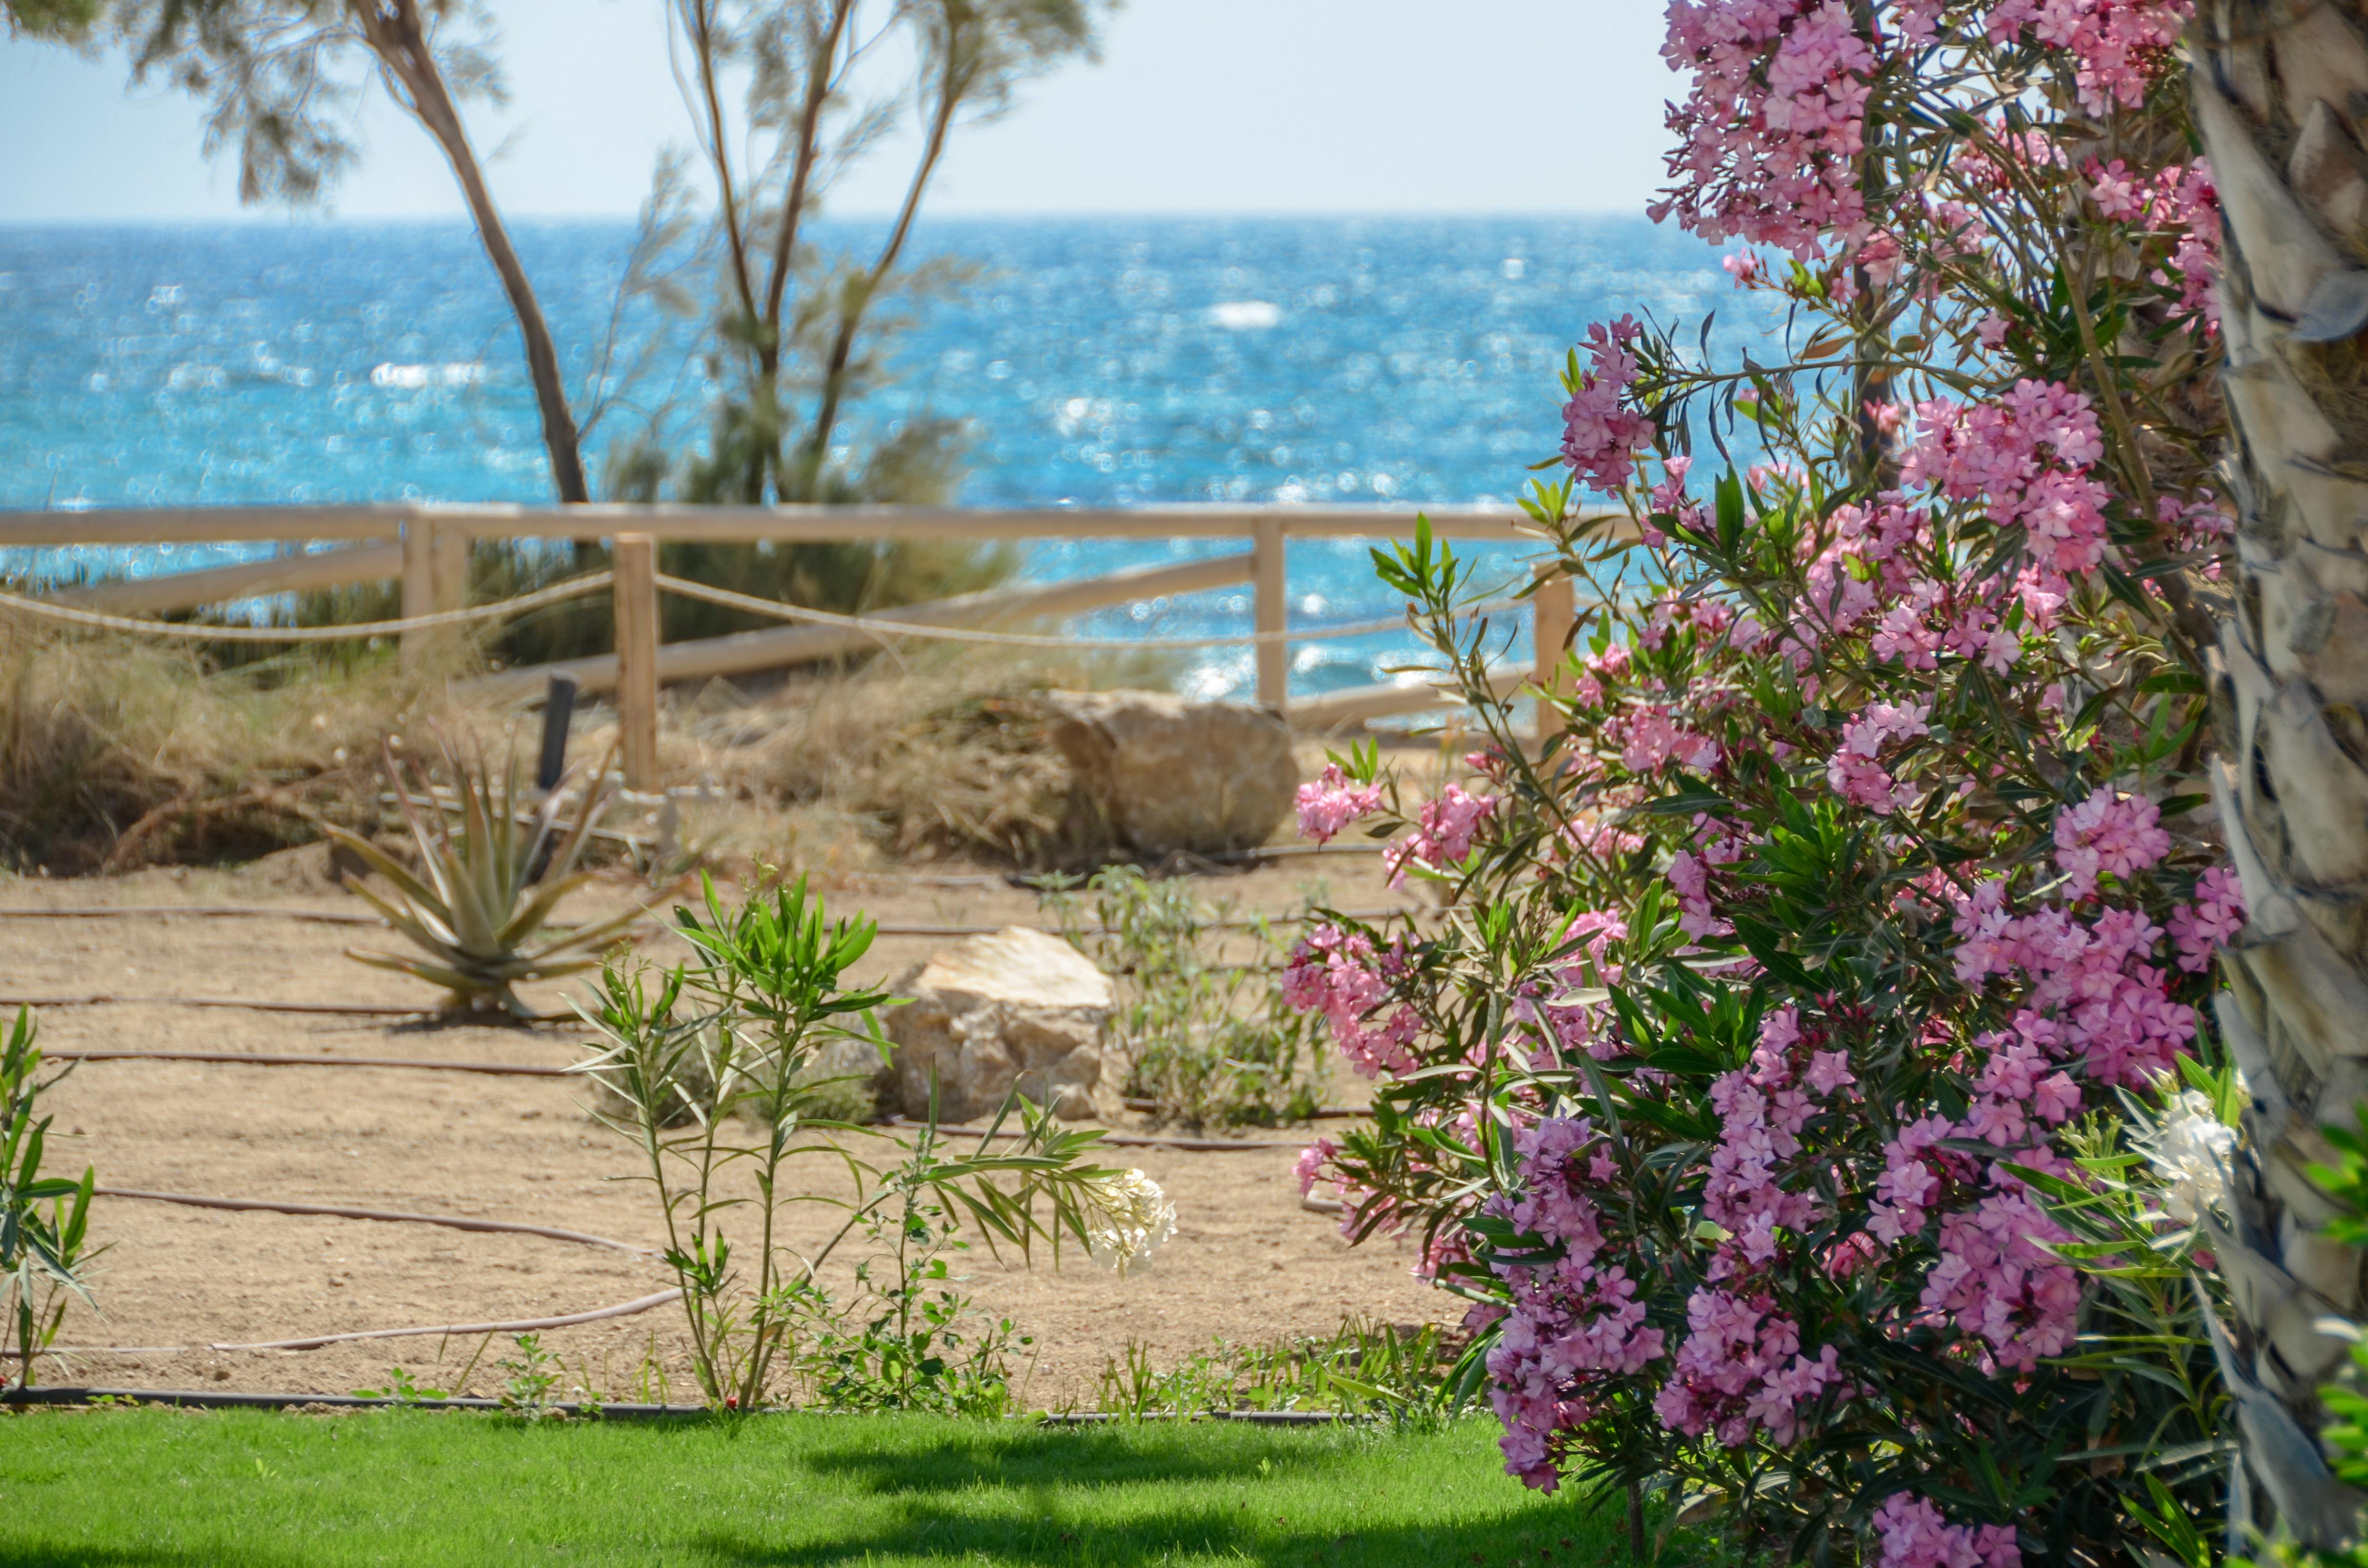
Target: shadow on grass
<point x="1057" y="1456"/>
<point x="1536" y="1535"/>
<point x="32" y="1555"/>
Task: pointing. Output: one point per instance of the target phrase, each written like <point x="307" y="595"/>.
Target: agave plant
<point x="481" y="895"/>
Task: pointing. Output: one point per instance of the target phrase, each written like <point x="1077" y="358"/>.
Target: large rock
<point x="1018" y="1006"/>
<point x="1172" y="774"/>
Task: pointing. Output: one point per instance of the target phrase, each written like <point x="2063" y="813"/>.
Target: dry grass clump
<point x="941" y="753"/>
<point x="117" y="752"/>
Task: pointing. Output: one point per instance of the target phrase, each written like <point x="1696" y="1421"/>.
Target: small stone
<point x="1171" y="774"/>
<point x="1018" y="1006"/>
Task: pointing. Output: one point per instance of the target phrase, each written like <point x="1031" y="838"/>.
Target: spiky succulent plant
<point x="481" y="893"/>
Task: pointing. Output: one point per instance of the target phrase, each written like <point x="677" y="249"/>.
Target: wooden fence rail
<point x="425" y="548"/>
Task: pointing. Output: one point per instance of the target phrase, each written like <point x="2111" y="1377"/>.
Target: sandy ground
<point x="1248" y="1263"/>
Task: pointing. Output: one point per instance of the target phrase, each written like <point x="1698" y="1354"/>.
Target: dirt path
<point x="1248" y="1261"/>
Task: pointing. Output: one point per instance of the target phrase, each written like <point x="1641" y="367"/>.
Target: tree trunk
<point x="2274" y="86"/>
<point x="399" y="39"/>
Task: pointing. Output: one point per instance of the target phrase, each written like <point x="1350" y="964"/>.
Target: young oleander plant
<point x="711" y="1069"/>
<point x="477" y="904"/>
<point x="44" y="1219"/>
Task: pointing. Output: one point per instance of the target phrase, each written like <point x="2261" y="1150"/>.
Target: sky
<point x="1280" y="106"/>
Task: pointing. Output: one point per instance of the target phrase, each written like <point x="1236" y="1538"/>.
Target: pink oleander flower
<point x="1442" y="834"/>
<point x="1915" y="1534"/>
<point x="1772" y="124"/>
<point x="1600" y="437"/>
<point x="2200" y="928"/>
<point x="2103" y="834"/>
<point x="1331" y="803"/>
<point x="2118" y="47"/>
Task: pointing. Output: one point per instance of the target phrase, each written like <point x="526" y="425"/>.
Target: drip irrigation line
<point x="239" y="1059"/>
<point x="332" y="1009"/>
<point x="335" y="1212"/>
<point x="335" y="1010"/>
<point x="1324" y="1113"/>
<point x="210" y="911"/>
<point x="211" y="1399"/>
<point x="878" y="627"/>
<point x="1124" y="1140"/>
<point x="446" y="1330"/>
<point x="574" y="587"/>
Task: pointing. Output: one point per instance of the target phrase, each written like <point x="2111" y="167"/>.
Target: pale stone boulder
<point x="1171" y="774"/>
<point x="1018" y="1006"/>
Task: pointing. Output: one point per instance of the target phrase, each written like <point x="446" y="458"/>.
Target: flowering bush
<point x="1771" y="1098"/>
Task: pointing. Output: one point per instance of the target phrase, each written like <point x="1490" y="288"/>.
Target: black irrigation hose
<point x="210" y="910"/>
<point x="333" y="1212"/>
<point x="238" y="1059"/>
<point x="206" y="1399"/>
<point x="436" y="1330"/>
<point x="1126" y="1140"/>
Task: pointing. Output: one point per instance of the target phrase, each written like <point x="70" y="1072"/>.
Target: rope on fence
<point x="577" y="587"/>
<point x="876" y="626"/>
<point x="574" y="587"/>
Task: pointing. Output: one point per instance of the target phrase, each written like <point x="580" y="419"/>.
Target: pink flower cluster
<point x="1600" y="435"/>
<point x="2026" y="457"/>
<point x="1337" y="974"/>
<point x="1853" y="769"/>
<point x="1772" y="127"/>
<point x="1650" y="737"/>
<point x="1571" y="1322"/>
<point x="1741" y="1366"/>
<point x="1571" y="1024"/>
<point x="2095" y="998"/>
<point x="2210" y="922"/>
<point x="2119" y="47"/>
<point x="1915" y="1534"/>
<point x="1442" y="834"/>
<point x="2104" y="834"/>
<point x="2185" y="203"/>
<point x="1331" y="803"/>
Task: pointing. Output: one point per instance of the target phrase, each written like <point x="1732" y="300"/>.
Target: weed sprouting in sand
<point x="1207" y="1040"/>
<point x="44" y="1220"/>
<point x="735" y="1038"/>
<point x="533" y="1373"/>
<point x="482" y="895"/>
<point x="1365" y="1369"/>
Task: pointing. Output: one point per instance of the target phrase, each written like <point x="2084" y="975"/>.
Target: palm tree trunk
<point x="397" y="36"/>
<point x="2274" y="86"/>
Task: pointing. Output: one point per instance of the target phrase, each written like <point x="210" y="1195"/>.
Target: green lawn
<point x="114" y="1489"/>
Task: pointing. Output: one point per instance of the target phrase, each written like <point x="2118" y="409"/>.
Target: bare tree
<point x="2276" y="91"/>
<point x="279" y="78"/>
<point x="789" y="321"/>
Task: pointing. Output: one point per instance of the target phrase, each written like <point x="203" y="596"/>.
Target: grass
<point x="119" y="1488"/>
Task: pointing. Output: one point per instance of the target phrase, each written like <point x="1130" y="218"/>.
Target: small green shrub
<point x="739" y="1037"/>
<point x="1208" y="1040"/>
<point x="1364" y="1368"/>
<point x="42" y="1250"/>
<point x="480" y="897"/>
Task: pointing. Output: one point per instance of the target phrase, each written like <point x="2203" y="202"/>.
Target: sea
<point x="1096" y="362"/>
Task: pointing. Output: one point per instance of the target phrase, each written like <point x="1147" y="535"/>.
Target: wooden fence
<point x="426" y="548"/>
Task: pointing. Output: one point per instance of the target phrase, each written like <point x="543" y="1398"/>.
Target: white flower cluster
<point x="1127" y="1218"/>
<point x="2189" y="1149"/>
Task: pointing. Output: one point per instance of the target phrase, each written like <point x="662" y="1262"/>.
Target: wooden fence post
<point x="1554" y="610"/>
<point x="448" y="552"/>
<point x="419" y="584"/>
<point x="1271" y="609"/>
<point x="636" y="592"/>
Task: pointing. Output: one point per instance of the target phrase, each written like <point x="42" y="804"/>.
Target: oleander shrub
<point x="1811" y="1094"/>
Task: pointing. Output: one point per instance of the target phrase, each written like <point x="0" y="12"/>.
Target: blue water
<point x="1101" y="362"/>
